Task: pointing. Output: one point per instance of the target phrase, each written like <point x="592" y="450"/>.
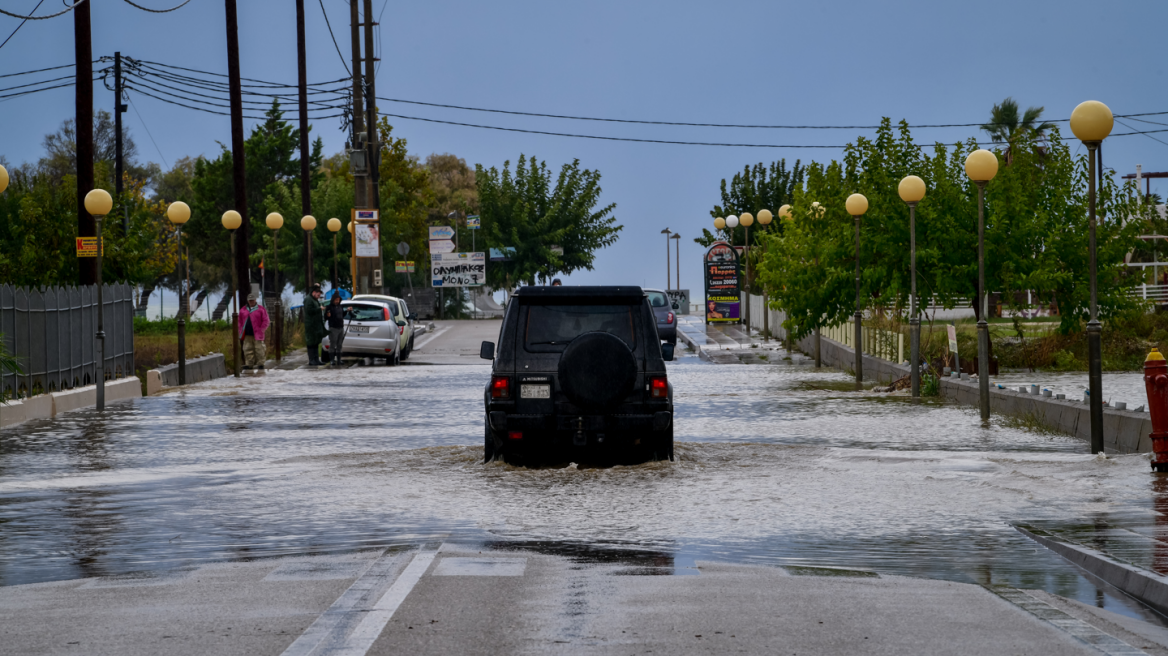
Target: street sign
<point x="441" y="232"/>
<point x="458" y="269"/>
<point x="368" y="243"/>
<point x="952" y="330"/>
<point x="441" y="246"/>
<point x="87" y="247"/>
<point x="370" y="216"/>
<point x="401" y="266"/>
<point x="403" y="248"/>
<point x="472" y="222"/>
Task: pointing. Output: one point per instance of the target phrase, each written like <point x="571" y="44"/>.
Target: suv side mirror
<point x="666" y="351"/>
<point x="676" y="306"/>
<point x="401" y="323"/>
<point x="487" y="351"/>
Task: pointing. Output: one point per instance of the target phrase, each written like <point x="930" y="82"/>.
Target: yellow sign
<point x="87" y="247"/>
<point x="401" y="266"/>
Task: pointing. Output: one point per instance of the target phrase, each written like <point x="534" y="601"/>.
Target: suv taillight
<point x="658" y="387"/>
<point x="669" y="318"/>
<point x="500" y="387"/>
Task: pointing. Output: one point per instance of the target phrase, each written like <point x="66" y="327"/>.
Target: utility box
<point x="377" y="277"/>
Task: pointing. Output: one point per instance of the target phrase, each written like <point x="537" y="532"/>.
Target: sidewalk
<point x="732" y="344"/>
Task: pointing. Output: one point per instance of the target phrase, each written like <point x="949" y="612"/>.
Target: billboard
<point x="723" y="300"/>
<point x="367" y="240"/>
<point x="458" y="269"/>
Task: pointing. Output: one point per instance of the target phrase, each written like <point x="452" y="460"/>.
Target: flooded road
<point x="777" y="465"/>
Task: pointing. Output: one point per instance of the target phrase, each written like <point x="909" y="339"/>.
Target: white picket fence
<point x="880" y="343"/>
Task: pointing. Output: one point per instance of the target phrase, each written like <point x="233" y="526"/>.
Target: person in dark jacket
<point x="314" y="330"/>
<point x="334" y="316"/>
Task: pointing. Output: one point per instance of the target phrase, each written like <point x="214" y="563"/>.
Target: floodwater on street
<point x="777" y="465"/>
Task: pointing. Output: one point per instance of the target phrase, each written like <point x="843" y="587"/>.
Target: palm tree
<point x="1005" y="125"/>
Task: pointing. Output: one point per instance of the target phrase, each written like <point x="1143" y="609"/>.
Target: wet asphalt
<point x="782" y="470"/>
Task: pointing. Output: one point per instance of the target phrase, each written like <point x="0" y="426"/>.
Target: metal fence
<point x="51" y="333"/>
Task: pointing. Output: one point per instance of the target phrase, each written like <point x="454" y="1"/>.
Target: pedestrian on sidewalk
<point x="253" y="321"/>
<point x="334" y="316"/>
<point x="314" y="330"/>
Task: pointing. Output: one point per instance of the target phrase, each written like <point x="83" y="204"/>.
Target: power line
<point x="148" y="132"/>
<point x="42" y="70"/>
<point x="157" y="11"/>
<point x="28" y="18"/>
<point x="1143" y="133"/>
<point x="39" y="3"/>
<point x="335" y="45"/>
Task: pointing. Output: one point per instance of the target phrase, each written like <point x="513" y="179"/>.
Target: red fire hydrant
<point x="1156" y="382"/>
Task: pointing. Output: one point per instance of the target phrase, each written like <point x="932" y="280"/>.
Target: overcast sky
<point x="804" y="63"/>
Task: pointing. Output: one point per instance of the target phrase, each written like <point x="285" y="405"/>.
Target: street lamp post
<point x="99" y="203"/>
<point x="274" y="222"/>
<point x="912" y="190"/>
<point x="1092" y="122"/>
<point x="232" y="220"/>
<point x="308" y="224"/>
<point x="981" y="166"/>
<point x="677" y="260"/>
<point x="178" y="212"/>
<point x="668" y="266"/>
<point x="764" y="219"/>
<point x="3" y="179"/>
<point x="747" y="219"/>
<point x="856" y="205"/>
<point x="731" y="223"/>
<point x="334" y="226"/>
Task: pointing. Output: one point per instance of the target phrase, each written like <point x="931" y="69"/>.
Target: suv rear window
<point x="366" y="312"/>
<point x="658" y="299"/>
<point x="551" y="327"/>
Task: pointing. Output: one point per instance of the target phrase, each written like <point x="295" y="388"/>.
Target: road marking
<point x="366" y="633"/>
<point x="431" y="338"/>
<point x="481" y="567"/>
<point x="332" y="621"/>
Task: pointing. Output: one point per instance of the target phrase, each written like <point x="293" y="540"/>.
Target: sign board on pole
<point x="473" y="222"/>
<point x="681" y="298"/>
<point x="87" y="246"/>
<point x="403" y="248"/>
<point x="441" y="246"/>
<point x="952" y="330"/>
<point x="367" y="216"/>
<point x="458" y="269"/>
<point x="441" y="232"/>
<point x="402" y="266"/>
<point x="368" y="241"/>
<point x="723" y="300"/>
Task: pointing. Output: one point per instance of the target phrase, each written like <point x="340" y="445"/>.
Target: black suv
<point x="579" y="373"/>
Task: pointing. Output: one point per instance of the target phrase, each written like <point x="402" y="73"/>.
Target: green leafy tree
<point x="532" y="219"/>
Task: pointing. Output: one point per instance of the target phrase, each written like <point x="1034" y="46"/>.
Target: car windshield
<point x="556" y="325"/>
<point x="360" y="312"/>
<point x="657" y="299"/>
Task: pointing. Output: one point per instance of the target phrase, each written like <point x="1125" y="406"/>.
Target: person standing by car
<point x="334" y="316"/>
<point x="314" y="331"/>
<point x="253" y="321"/>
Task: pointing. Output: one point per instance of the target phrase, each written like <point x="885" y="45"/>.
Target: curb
<point x="1148" y="587"/>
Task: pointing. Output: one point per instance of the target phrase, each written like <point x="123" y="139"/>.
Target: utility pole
<point x="359" y="182"/>
<point x="119" y="167"/>
<point x="239" y="170"/>
<point x="366" y="266"/>
<point x="305" y="175"/>
<point x="83" y="122"/>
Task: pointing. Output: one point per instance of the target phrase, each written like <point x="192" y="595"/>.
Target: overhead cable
<point x="38" y="6"/>
<point x="157" y="11"/>
<point x="59" y="13"/>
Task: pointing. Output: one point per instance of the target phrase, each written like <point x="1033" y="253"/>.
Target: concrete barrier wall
<point x="199" y="370"/>
<point x="1124" y="431"/>
<point x="45" y="406"/>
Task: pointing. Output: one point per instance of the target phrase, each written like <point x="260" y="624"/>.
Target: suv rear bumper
<point x="659" y="420"/>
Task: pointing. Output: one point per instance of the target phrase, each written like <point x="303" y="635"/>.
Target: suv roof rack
<point x="581" y="291"/>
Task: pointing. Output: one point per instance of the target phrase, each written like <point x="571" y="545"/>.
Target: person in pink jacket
<point x="253" y="321"/>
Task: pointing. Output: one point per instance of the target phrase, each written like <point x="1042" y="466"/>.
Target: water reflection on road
<point x="776" y="465"/>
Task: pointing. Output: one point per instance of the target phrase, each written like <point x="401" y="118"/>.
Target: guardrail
<point x="880" y="343"/>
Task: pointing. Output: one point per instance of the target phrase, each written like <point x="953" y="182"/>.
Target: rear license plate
<point x="535" y="391"/>
<point x="358" y="329"/>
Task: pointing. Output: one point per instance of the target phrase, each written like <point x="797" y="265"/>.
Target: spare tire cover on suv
<point x="597" y="370"/>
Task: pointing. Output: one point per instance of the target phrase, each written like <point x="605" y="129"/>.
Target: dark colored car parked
<point x="578" y="374"/>
<point x="666" y="315"/>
